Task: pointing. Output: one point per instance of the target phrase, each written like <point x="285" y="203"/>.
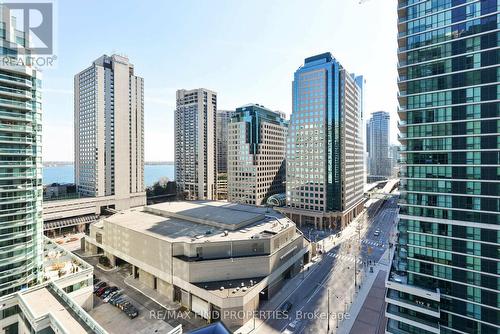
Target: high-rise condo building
<point x="256" y="154"/>
<point x="325" y="168"/>
<point x="377" y="137"/>
<point x="21" y="228"/>
<point x="195" y="144"/>
<point x="445" y="271"/>
<point x="109" y="130"/>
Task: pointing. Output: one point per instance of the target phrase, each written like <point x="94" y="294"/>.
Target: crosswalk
<point x="371" y="242"/>
<point x="342" y="257"/>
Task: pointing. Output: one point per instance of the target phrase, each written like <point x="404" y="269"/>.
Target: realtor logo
<point x="37" y="22"/>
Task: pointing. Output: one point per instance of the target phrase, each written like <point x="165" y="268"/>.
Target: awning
<point x="74" y="221"/>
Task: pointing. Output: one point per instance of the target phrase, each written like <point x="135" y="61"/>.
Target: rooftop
<point x="230" y="288"/>
<point x="42" y="302"/>
<point x="202" y="221"/>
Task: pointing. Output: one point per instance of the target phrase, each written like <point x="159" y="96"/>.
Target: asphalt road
<point x="333" y="280"/>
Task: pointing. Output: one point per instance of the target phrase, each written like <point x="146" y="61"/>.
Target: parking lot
<point x="152" y="317"/>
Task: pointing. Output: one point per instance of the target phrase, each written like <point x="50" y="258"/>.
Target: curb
<point x="168" y="308"/>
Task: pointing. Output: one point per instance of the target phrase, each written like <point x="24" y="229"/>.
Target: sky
<point x="245" y="50"/>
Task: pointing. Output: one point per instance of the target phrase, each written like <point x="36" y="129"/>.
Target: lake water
<point x="66" y="174"/>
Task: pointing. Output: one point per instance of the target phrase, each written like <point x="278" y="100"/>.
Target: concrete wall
<point x="138" y="248"/>
<point x="53" y="210"/>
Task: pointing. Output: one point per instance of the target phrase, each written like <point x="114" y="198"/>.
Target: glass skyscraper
<point x="445" y="274"/>
<point x="324" y="182"/>
<point x="377" y="139"/>
<point x="21" y="225"/>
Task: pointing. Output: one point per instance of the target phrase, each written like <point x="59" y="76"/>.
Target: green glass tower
<point x="445" y="274"/>
<point x="21" y="225"/>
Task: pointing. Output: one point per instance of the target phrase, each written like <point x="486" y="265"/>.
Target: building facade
<point x="256" y="154"/>
<point x="20" y="163"/>
<point x="217" y="258"/>
<point x="195" y="143"/>
<point x="109" y="129"/>
<point x="377" y="138"/>
<point x="445" y="271"/>
<point x="325" y="151"/>
<point x="223" y="119"/>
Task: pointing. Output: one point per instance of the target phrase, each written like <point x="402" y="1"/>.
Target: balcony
<point x="14" y="80"/>
<point x="8" y="103"/>
<point x="14" y="92"/>
<point x="15" y="151"/>
<point x="423" y="322"/>
<point x="16" y="116"/>
<point x="16" y="140"/>
<point x="16" y="128"/>
<point x="418" y="304"/>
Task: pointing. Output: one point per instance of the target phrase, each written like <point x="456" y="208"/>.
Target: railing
<point x="6" y="77"/>
<point x="17" y="175"/>
<point x="11" y="151"/>
<point x="78" y="310"/>
<point x="25" y="93"/>
<point x="23" y="105"/>
<point x="16" y="115"/>
<point x="10" y="127"/>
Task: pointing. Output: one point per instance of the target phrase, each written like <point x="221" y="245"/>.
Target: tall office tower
<point x="325" y="168"/>
<point x="21" y="228"/>
<point x="195" y="144"/>
<point x="223" y="119"/>
<point x="378" y="150"/>
<point x="109" y="129"/>
<point x="256" y="154"/>
<point x="445" y="272"/>
<point x="394" y="155"/>
<point x="368" y="146"/>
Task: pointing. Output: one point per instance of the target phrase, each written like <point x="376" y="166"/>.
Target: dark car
<point x="120" y="300"/>
<point x="99" y="285"/>
<point x="131" y="312"/>
<point x="124" y="305"/>
<point x="100" y="290"/>
<point x="115" y="297"/>
<point x="109" y="291"/>
<point x="286" y="307"/>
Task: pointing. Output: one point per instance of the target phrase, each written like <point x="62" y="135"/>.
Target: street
<point x="333" y="281"/>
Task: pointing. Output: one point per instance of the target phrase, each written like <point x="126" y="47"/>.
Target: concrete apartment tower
<point x="195" y="144"/>
<point x="21" y="228"/>
<point x="325" y="162"/>
<point x="445" y="268"/>
<point x="109" y="130"/>
<point x="377" y="138"/>
<point x="256" y="154"/>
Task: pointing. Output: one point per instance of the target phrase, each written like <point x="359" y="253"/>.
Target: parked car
<point x="118" y="300"/>
<point x="99" y="285"/>
<point x="101" y="290"/>
<point x="115" y="297"/>
<point x="124" y="305"/>
<point x="131" y="311"/>
<point x="292" y="327"/>
<point x="286" y="307"/>
<point x="108" y="292"/>
<point x="110" y="295"/>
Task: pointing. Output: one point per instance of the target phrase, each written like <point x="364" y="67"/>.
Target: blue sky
<point x="245" y="50"/>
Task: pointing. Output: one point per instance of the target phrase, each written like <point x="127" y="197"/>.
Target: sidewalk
<point x="160" y="299"/>
<point x="369" y="302"/>
<point x="279" y="298"/>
